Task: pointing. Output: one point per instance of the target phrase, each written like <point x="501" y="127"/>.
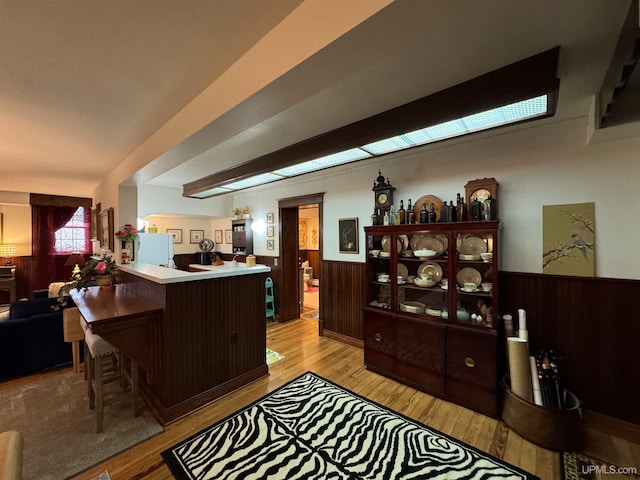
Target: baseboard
<point x="612" y="426"/>
<point x="339" y="337"/>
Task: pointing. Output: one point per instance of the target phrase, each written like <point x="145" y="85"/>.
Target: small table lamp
<point x="75" y="259"/>
<point x="7" y="251"/>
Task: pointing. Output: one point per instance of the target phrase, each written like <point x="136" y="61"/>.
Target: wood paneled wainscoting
<point x="589" y="322"/>
<point x="592" y="325"/>
<point x="342" y="296"/>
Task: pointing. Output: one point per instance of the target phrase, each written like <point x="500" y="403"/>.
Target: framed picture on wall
<point x="270" y="231"/>
<point x="348" y="232"/>
<point x="270" y="244"/>
<point x="176" y="233"/>
<point x="196" y="236"/>
<point x="270" y="217"/>
<point x="217" y="236"/>
<point x="106" y="229"/>
<point x="228" y="236"/>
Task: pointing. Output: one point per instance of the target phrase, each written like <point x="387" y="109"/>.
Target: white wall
<point x="546" y="165"/>
<point x="16" y="227"/>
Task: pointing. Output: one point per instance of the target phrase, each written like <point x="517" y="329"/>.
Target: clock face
<point x="383" y="198"/>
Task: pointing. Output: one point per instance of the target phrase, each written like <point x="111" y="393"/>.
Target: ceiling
<point x="84" y="85"/>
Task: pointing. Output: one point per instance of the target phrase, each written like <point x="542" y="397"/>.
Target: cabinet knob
<point x="377" y="337"/>
<point x="469" y="362"/>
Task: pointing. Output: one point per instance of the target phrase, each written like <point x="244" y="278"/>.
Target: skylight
<point x="332" y="160"/>
<point x="481" y="103"/>
<point x="496" y="117"/>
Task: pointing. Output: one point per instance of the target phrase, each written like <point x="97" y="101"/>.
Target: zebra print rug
<point x="312" y="428"/>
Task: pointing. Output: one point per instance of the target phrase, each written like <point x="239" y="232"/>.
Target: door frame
<point x="289" y="253"/>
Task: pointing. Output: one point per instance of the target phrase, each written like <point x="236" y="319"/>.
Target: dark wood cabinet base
<point x="448" y="361"/>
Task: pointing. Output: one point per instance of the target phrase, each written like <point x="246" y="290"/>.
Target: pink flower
<point x="101" y="267"/>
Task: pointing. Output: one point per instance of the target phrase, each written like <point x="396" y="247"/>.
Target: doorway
<point x="291" y="210"/>
<point x="308" y="250"/>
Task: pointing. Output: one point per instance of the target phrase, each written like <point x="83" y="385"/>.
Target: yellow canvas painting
<point x="568" y="239"/>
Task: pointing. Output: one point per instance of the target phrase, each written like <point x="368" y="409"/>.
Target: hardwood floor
<point x="304" y="350"/>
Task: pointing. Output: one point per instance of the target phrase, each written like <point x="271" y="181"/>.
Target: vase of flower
<point x="103" y="280"/>
<point x="127" y="235"/>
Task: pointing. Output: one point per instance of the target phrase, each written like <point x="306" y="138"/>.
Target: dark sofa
<point x="32" y="340"/>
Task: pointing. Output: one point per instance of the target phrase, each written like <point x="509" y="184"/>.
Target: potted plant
<point x="127" y="235"/>
<point x="95" y="272"/>
<point x="241" y="212"/>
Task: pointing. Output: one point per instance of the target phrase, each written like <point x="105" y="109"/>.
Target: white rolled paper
<point x="519" y="367"/>
<point x="522" y="319"/>
<point x="523" y="334"/>
<point x="535" y="382"/>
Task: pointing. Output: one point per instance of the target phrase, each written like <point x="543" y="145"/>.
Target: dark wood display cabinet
<point x="423" y="326"/>
<point x="241" y="237"/>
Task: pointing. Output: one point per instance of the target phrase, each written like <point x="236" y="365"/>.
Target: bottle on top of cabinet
<point x="431" y="217"/>
<point x="411" y="216"/>
<point x="402" y="214"/>
<point x="490" y="208"/>
<point x="424" y="216"/>
<point x="461" y="210"/>
<point x="375" y="218"/>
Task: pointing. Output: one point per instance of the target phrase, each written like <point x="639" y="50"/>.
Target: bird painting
<point x="568" y="245"/>
<point x="579" y="243"/>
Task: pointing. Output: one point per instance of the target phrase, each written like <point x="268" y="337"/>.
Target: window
<point x="74" y="236"/>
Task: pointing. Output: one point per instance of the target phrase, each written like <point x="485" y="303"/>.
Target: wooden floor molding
<point x="304" y="350"/>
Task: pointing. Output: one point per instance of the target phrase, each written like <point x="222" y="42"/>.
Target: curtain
<point x="45" y="221"/>
<point x="49" y="213"/>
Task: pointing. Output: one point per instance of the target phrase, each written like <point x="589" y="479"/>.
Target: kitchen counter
<point x="196" y="335"/>
<point x="164" y="275"/>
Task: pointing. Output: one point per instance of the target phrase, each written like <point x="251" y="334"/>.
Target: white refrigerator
<point x="156" y="249"/>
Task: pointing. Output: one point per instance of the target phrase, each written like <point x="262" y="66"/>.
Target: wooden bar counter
<point x="197" y="336"/>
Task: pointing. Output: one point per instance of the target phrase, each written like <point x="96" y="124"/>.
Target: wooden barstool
<point x="100" y="373"/>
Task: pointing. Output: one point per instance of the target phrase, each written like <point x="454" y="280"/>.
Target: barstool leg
<point x="89" y="375"/>
<point x="134" y="388"/>
<point x="99" y="392"/>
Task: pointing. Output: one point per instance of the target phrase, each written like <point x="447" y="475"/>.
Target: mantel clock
<point x="383" y="193"/>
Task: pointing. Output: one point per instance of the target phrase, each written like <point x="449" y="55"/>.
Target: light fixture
<point x="75" y="259"/>
<point x="7" y="250"/>
<point x="520" y="92"/>
<point x="258" y="226"/>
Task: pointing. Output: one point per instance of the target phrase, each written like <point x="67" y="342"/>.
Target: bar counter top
<point x="164" y="275"/>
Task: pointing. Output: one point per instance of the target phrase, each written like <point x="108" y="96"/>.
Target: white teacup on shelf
<point x="469" y="286"/>
<point x="486" y="286"/>
<point x="487" y="256"/>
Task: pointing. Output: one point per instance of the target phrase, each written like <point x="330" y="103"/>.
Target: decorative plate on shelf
<point x="432" y="269"/>
<point x="402" y="271"/>
<point x="386" y="243"/>
<point x="437" y="243"/>
<point x="470" y="244"/>
<point x="412" y="307"/>
<point x="468" y="275"/>
<point x="428" y="199"/>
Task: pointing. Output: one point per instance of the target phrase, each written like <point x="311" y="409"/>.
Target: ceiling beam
<point x="528" y="78"/>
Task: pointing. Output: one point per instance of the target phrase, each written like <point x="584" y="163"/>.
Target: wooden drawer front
<point x="476" y="398"/>
<point x="379" y="334"/>
<point x="421" y="345"/>
<point x="471" y="358"/>
<point x="239" y="239"/>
